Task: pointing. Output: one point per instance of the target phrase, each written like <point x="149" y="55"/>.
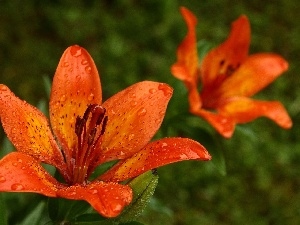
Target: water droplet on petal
<point x="162" y="113"/>
<point x="3" y="88"/>
<point x="152" y="90"/>
<point x="75" y="51"/>
<point x="66" y="64"/>
<point x="164" y="144"/>
<point x="78" y="77"/>
<point x="63" y="98"/>
<point x="183" y="156"/>
<point x="88" y="69"/>
<point x="166" y="90"/>
<point x="93" y="191"/>
<point x="132" y="95"/>
<point x="14" y="130"/>
<point x="130" y="137"/>
<point x="157" y="121"/>
<point x="142" y="112"/>
<point x="91" y="97"/>
<point x="133" y="103"/>
<point x="117" y="208"/>
<point x="17" y="187"/>
<point x="2" y="179"/>
<point x="84" y="62"/>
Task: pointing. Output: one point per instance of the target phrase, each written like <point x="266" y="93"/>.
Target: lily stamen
<point x="86" y="129"/>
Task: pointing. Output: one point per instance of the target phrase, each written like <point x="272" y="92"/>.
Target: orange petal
<point x="156" y="154"/>
<point x="222" y="123"/>
<point x="187" y="58"/>
<point x="27" y="128"/>
<point x="76" y="84"/>
<point x="244" y="110"/>
<point x="22" y="173"/>
<point x="258" y="71"/>
<point x="224" y="59"/>
<point x="134" y="116"/>
<point x="108" y="199"/>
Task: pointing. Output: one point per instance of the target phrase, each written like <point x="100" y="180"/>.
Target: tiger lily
<point x="229" y="77"/>
<point x="88" y="133"/>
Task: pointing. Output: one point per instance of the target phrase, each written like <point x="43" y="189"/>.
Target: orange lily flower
<point x="88" y="133"/>
<point x="229" y="76"/>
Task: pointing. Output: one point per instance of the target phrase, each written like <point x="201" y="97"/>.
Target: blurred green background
<point x="254" y="177"/>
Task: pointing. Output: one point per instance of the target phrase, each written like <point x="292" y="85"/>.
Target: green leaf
<point x="35" y="215"/>
<point x="143" y="188"/>
<point x="3" y="211"/>
<point x="66" y="210"/>
<point x="47" y="84"/>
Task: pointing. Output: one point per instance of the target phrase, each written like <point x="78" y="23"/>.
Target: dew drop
<point x="132" y="95"/>
<point x="166" y="90"/>
<point x="88" y="69"/>
<point x="157" y="121"/>
<point x="117" y="207"/>
<point x="13" y="130"/>
<point x="183" y="156"/>
<point x="2" y="179"/>
<point x="164" y="144"/>
<point x="75" y="51"/>
<point x="17" y="187"/>
<point x="130" y="137"/>
<point x="84" y="62"/>
<point x="15" y="164"/>
<point x="3" y="88"/>
<point x="91" y="97"/>
<point x="63" y="98"/>
<point x="161" y="113"/>
<point x="152" y="90"/>
<point x="142" y="112"/>
<point x="65" y="64"/>
<point x="133" y="103"/>
<point x="93" y="191"/>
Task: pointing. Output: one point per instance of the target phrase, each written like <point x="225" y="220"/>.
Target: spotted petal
<point x="243" y="110"/>
<point x="27" y="128"/>
<point x="76" y="84"/>
<point x="156" y="154"/>
<point x="134" y="116"/>
<point x="108" y="199"/>
<point x="258" y="71"/>
<point x="186" y="66"/>
<point x="22" y="173"/>
<point x="224" y="59"/>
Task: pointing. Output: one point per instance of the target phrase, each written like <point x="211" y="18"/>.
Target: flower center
<point x="89" y="130"/>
